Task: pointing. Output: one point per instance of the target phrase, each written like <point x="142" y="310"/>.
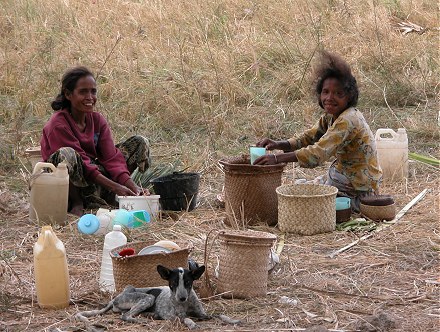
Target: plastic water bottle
<point x="112" y="240"/>
<point x="51" y="271"/>
<point x="123" y="217"/>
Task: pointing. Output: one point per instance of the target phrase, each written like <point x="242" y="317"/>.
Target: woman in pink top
<point x="81" y="137"/>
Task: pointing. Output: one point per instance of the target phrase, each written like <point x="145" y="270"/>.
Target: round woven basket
<point x="141" y="270"/>
<point x="306" y="209"/>
<point x="250" y="195"/>
<point x="379" y="213"/>
<point x="244" y="257"/>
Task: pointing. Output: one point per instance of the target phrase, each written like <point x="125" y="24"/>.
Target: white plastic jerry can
<point x="392" y="153"/>
<point x="49" y="194"/>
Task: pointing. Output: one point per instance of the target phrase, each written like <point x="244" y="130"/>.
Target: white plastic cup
<point x="256" y="152"/>
<point x="112" y="240"/>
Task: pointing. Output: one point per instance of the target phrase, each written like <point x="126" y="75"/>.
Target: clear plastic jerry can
<point x="392" y="153"/>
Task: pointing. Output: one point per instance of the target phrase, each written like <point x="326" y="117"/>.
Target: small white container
<point x="148" y="203"/>
<point x="33" y="154"/>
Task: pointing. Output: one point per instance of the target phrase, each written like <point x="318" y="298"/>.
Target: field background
<point x="206" y="79"/>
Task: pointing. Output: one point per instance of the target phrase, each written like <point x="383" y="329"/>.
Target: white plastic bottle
<point x="112" y="240"/>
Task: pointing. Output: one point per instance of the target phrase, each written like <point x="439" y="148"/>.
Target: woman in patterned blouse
<point x="341" y="132"/>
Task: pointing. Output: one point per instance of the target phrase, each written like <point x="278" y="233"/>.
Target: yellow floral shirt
<point x="350" y="140"/>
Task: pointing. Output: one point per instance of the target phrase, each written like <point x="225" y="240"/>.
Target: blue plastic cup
<point x="342" y="203"/>
<point x="140" y="218"/>
<point x="256" y="152"/>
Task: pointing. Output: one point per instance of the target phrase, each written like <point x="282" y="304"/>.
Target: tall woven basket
<point x="306" y="209"/>
<point x="141" y="270"/>
<point x="244" y="257"/>
<point x="250" y="195"/>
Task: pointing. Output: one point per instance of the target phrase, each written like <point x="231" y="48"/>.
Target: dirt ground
<point x="388" y="282"/>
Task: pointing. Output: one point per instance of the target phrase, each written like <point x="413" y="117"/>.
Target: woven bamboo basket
<point x="141" y="270"/>
<point x="250" y="195"/>
<point x="379" y="213"/>
<point x="306" y="209"/>
<point x="244" y="257"/>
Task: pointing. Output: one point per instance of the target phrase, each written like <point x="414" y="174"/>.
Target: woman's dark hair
<point x="68" y="83"/>
<point x="333" y="66"/>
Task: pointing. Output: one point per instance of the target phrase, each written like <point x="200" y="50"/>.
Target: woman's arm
<point x="275" y="145"/>
<point x="114" y="187"/>
<point x="109" y="156"/>
<point x="310" y="136"/>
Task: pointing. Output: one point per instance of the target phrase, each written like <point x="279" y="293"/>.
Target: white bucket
<point x="33" y="154"/>
<point x="392" y="153"/>
<point x="147" y="203"/>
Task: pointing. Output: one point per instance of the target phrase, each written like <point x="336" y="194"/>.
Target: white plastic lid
<point x="117" y="227"/>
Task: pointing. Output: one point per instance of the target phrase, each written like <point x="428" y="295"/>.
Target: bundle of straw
<point x="155" y="171"/>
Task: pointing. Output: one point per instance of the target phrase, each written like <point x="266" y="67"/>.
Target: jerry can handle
<point x="382" y="131"/>
<point x="40" y="165"/>
<point x="48" y="238"/>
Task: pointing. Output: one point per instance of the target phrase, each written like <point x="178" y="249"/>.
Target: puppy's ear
<point x="164" y="272"/>
<point x="197" y="273"/>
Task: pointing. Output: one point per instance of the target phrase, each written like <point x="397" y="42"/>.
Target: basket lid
<point x="305" y="190"/>
<point x="251" y="236"/>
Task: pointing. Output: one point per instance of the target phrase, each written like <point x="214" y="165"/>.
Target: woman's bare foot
<point x="77" y="205"/>
<point x="77" y="210"/>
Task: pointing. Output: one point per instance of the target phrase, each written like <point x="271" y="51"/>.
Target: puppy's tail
<point x="227" y="319"/>
<point x="82" y="316"/>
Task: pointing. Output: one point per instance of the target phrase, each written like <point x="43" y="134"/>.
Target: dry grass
<point x="220" y="72"/>
<point x="393" y="276"/>
<point x="203" y="80"/>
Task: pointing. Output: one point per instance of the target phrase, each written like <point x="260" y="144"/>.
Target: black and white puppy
<point x="177" y="300"/>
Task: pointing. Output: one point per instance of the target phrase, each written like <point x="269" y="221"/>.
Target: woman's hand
<point x="267" y="159"/>
<point x="273" y="159"/>
<point x="129" y="188"/>
<point x="270" y="144"/>
<point x="122" y="190"/>
<point x="135" y="188"/>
